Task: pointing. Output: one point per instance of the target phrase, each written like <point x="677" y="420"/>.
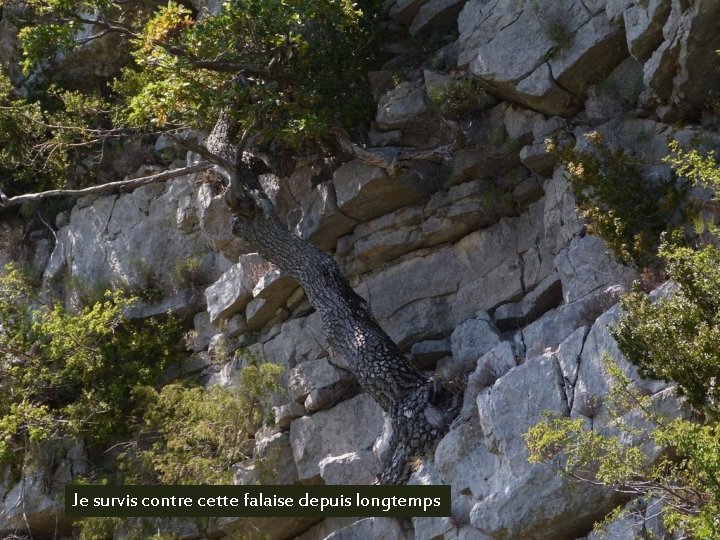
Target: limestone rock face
<point x="234" y="290"/>
<point x="679" y="71"/>
<point x="543" y="56"/>
<point x="478" y="265"/>
<point x="354" y="468"/>
<point x="377" y="527"/>
<point x="349" y="426"/>
<point x="133" y="242"/>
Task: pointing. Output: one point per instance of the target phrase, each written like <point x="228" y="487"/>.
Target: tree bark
<point x="421" y="408"/>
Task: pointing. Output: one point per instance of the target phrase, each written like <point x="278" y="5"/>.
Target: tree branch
<point x="435" y="155"/>
<point x="110" y="187"/>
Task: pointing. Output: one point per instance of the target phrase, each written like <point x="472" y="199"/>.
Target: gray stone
<point x="141" y="249"/>
<point x="428" y="528"/>
<point x="593" y="380"/>
<point x="276" y="456"/>
<point x="629" y="525"/>
<point x="322" y="223"/>
<point x="436" y="16"/>
<point x="270" y="528"/>
<point x="568" y="356"/>
<point x="560" y="219"/>
<point x="426" y="353"/>
<point x="446" y="217"/>
<point x="520" y="123"/>
<point x="404" y="106"/>
<point x="680" y="73"/>
<point x="232" y="292"/>
<point x="470" y="533"/>
<point x="348" y="427"/>
<point x="316" y="374"/>
<point x="585" y="266"/>
<point x="464" y="460"/>
<point x="437" y="83"/>
<point x="381" y="82"/>
<point x="483" y="270"/>
<point x="473" y="163"/>
<point x="216" y="223"/>
<point x="644" y="27"/>
<point x="285" y="414"/>
<point x="472" y="339"/>
<point x="353" y="468"/>
<point x="275" y="286"/>
<point x="203" y="331"/>
<point x="597" y="47"/>
<point x="221" y="348"/>
<point x="404" y="10"/>
<point x="490" y="367"/>
<point x="537" y="158"/>
<point x="260" y="312"/>
<point x="365" y="192"/>
<point x="545" y="296"/>
<point x="503" y="418"/>
<point x="546" y="506"/>
<point x="299" y="340"/>
<point x="234" y="326"/>
<point x="521" y="48"/>
<point x="31" y="504"/>
<point x="325" y="527"/>
<point x="378" y="528"/>
<point x="385" y="138"/>
<point x="551" y="329"/>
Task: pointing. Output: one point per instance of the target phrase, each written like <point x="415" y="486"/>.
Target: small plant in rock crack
<point x="553" y="20"/>
<point x="459" y="97"/>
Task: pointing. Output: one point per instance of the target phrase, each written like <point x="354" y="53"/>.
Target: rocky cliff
<point x="478" y="267"/>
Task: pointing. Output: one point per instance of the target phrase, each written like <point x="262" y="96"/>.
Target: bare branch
<point x="110" y="187"/>
<point x="436" y="155"/>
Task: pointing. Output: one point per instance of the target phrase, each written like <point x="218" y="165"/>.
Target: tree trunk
<point x="420" y="408"/>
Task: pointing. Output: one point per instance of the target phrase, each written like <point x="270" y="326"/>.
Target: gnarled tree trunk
<point x="420" y="408"/>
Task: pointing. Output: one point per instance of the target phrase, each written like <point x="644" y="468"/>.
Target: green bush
<point x="619" y="205"/>
<point x="675" y="338"/>
<point x="684" y="478"/>
<point x="194" y="435"/>
<point x="460" y="97"/>
<point x="72" y="374"/>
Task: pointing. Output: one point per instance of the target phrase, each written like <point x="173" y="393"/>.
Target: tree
<point x="276" y="74"/>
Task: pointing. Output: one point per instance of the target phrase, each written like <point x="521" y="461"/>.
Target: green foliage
<point x="685" y="479"/>
<point x="675" y="338"/>
<point x="96" y="376"/>
<point x="656" y="334"/>
<point x="289" y="70"/>
<point x="459" y="98"/>
<point x="192" y="435"/>
<point x="629" y="212"/>
<point x="45" y="141"/>
<point x="186" y="272"/>
<point x="698" y="168"/>
<point x="72" y="374"/>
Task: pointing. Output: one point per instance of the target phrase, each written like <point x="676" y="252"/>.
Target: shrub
<point x="683" y="481"/>
<point x="459" y="97"/>
<point x="72" y="374"/>
<point x="194" y="435"/>
<point x="619" y="205"/>
<point x="676" y="339"/>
